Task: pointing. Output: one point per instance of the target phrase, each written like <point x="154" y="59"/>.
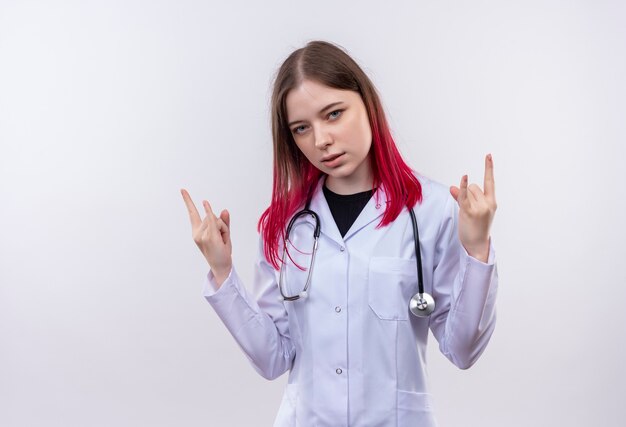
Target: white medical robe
<point x="354" y="352"/>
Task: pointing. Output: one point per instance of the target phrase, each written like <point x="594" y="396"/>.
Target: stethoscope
<point x="421" y="304"/>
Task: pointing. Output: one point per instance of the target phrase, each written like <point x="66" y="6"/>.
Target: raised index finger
<point x="489" y="185"/>
<point x="191" y="207"/>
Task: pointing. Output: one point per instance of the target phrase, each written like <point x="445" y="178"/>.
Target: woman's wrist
<point x="480" y="252"/>
<point x="221" y="275"/>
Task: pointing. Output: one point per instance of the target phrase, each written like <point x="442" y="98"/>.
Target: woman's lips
<point x="334" y="161"/>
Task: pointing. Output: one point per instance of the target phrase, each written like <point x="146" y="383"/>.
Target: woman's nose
<point x="322" y="137"/>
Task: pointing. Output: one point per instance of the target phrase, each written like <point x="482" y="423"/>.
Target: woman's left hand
<point x="476" y="212"/>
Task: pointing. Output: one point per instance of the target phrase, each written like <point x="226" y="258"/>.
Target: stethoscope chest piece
<point x="422" y="305"/>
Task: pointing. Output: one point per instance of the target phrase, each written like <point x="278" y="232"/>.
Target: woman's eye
<point x="337" y="115"/>
<point x="295" y="130"/>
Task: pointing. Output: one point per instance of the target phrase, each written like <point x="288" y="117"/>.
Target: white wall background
<point x="107" y="109"/>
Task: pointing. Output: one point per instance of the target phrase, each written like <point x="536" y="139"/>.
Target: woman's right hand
<point x="212" y="235"/>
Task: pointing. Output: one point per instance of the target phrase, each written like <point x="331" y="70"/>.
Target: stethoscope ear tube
<point x="316" y="234"/>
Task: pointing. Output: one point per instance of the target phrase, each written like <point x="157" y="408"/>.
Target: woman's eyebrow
<point x="331" y="105"/>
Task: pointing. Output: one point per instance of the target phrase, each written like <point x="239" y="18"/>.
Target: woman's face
<point x="326" y="122"/>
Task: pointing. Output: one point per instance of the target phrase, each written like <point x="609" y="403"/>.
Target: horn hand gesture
<point x="476" y="212"/>
<point x="212" y="235"/>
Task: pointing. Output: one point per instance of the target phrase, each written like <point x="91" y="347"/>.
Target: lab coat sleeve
<point x="464" y="290"/>
<point x="259" y="326"/>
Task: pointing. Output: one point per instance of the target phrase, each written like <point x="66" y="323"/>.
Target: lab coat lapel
<point x="370" y="212"/>
<point x="319" y="205"/>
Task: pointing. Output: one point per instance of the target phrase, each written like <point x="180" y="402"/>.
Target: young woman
<point x="348" y="319"/>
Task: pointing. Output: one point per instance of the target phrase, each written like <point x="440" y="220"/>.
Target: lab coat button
<point x="337" y="309"/>
<point x="341" y="248"/>
<point x="338" y="370"/>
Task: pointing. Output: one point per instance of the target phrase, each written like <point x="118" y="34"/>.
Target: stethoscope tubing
<point x="421" y="304"/>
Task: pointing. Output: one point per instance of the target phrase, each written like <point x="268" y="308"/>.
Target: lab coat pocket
<point x="415" y="409"/>
<point x="392" y="282"/>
